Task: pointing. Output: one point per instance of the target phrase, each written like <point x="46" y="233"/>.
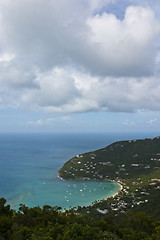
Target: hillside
<point x="124" y="159"/>
<point x="135" y="164"/>
<point x="133" y="214"/>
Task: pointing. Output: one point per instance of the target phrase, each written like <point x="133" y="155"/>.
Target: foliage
<point x="135" y="164"/>
<point x="124" y="220"/>
<point x="50" y="223"/>
<point x="115" y="161"/>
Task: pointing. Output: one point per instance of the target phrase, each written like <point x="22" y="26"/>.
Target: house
<point x="102" y="211"/>
<point x="135" y="165"/>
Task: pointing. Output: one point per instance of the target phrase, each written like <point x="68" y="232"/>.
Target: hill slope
<point x="124" y="159"/>
<point x="134" y="164"/>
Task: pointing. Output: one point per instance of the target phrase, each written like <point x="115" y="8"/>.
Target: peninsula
<point x="135" y="164"/>
<point x="134" y="213"/>
<point x="124" y="160"/>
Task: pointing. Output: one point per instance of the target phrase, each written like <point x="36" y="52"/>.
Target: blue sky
<point x="79" y="66"/>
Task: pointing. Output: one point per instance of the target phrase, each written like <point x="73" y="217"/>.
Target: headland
<point x="134" y="164"/>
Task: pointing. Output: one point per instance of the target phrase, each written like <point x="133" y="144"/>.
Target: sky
<point x="79" y="66"/>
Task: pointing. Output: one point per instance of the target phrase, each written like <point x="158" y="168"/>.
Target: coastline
<point x="111" y="196"/>
<point x="121" y="188"/>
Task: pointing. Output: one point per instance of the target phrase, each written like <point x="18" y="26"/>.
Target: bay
<point x="29" y="166"/>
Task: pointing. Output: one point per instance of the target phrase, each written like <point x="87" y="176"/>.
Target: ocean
<point x="29" y="166"/>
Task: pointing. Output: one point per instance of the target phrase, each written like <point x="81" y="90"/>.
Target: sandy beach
<point x="121" y="188"/>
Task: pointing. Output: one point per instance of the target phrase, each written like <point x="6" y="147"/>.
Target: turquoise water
<point x="29" y="166"/>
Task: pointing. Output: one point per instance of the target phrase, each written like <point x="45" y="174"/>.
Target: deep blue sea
<point x="29" y="166"/>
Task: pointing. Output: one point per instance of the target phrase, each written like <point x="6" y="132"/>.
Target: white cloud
<point x="151" y="122"/>
<point x="48" y="121"/>
<point x="70" y="91"/>
<point x="95" y="5"/>
<point x="56" y="89"/>
<point x="6" y="57"/>
<point x="60" y="56"/>
<point x="37" y="123"/>
<point x="125" y="47"/>
<point x="66" y="90"/>
<point x="129" y="123"/>
<point x="40" y="35"/>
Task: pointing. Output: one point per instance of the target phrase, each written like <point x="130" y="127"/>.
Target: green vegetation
<point x="133" y="214"/>
<point x="124" y="159"/>
<point x="49" y="223"/>
<point x="134" y="164"/>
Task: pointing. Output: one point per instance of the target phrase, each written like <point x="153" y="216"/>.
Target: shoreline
<point x="111" y="196"/>
<point x="121" y="188"/>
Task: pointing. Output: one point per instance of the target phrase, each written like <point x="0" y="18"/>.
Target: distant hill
<point x="123" y="159"/>
<point x="134" y="213"/>
<point x="135" y="164"/>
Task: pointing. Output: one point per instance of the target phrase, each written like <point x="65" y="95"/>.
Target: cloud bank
<point x="75" y="56"/>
